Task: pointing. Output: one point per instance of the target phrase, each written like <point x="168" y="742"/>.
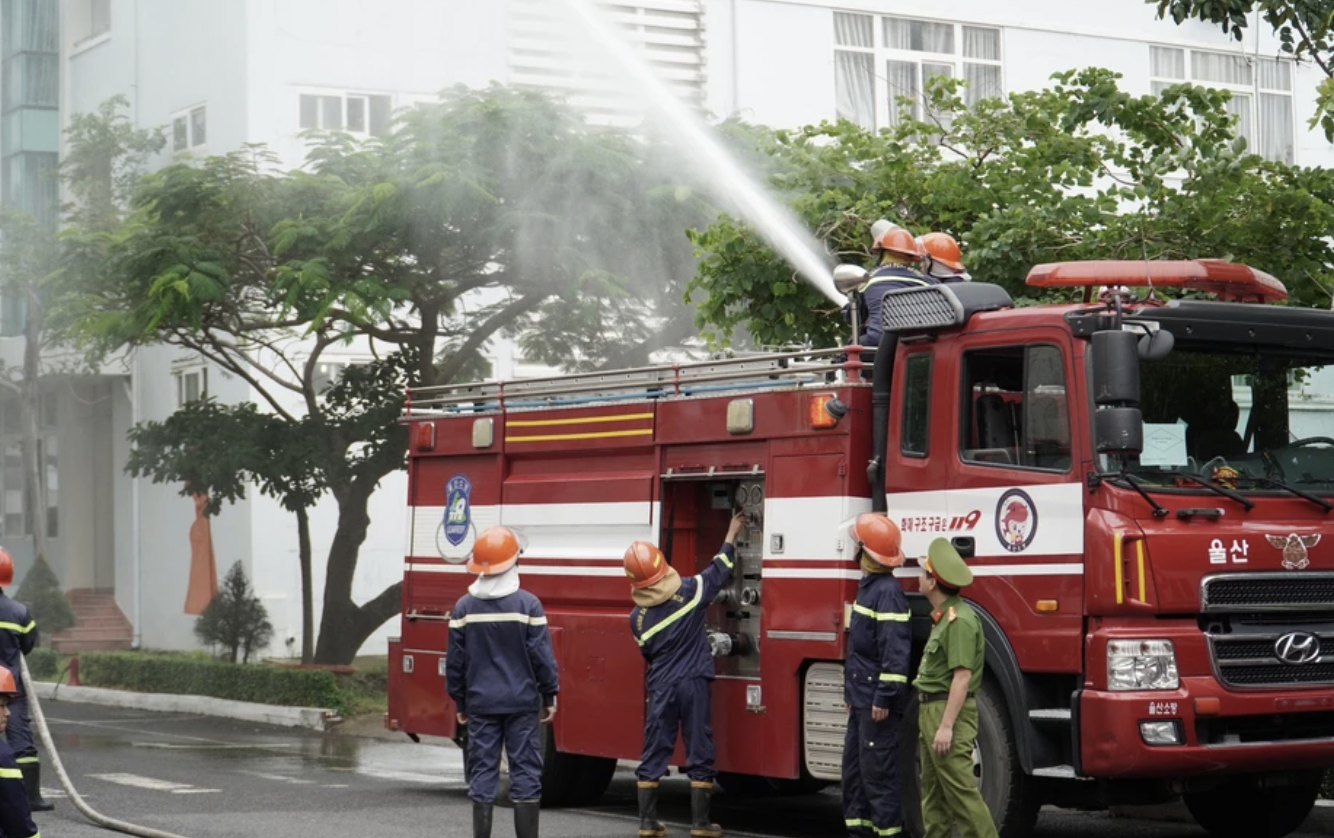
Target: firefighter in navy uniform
<point x="18" y="636"/>
<point x="668" y="624"/>
<point x="501" y="673"/>
<point x="15" y="814"/>
<point x="900" y="260"/>
<point x="875" y="682"/>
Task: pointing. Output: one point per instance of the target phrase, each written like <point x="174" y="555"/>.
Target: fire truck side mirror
<point x="1117" y="424"/>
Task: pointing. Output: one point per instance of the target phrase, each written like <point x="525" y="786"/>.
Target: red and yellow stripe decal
<point x="582" y="420"/>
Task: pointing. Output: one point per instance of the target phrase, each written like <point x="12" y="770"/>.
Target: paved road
<point x="209" y="778"/>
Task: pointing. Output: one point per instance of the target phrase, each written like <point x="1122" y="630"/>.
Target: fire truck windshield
<point x="1254" y="422"/>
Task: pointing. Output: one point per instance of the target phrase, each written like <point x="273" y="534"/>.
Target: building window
<point x="13" y="477"/>
<point x="189" y="129"/>
<point x="354" y="113"/>
<point x="191" y="385"/>
<point x="878" y="59"/>
<point x="1261" y="93"/>
<point x="88" y="19"/>
<point x="916" y="406"/>
<point x="1016" y="414"/>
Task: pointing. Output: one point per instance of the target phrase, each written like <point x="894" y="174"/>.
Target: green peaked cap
<point x="945" y="563"/>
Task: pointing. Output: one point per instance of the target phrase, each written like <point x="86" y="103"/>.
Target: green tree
<point x="1082" y="170"/>
<point x="235" y="619"/>
<point x="1305" y="29"/>
<point x="490" y="211"/>
<point x="104" y="154"/>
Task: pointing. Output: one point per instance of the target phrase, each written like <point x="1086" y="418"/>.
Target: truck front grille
<point x="1249" y="658"/>
<point x="1268" y="592"/>
<point x="1250" y="730"/>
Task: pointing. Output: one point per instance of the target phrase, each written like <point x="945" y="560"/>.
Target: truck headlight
<point x="1141" y="665"/>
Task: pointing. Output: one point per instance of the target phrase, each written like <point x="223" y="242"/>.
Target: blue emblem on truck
<point x="458" y="509"/>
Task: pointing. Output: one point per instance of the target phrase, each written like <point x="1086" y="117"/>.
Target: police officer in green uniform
<point x="947" y="682"/>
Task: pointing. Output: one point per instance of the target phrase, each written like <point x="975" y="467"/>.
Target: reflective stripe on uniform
<point x="685" y="609"/>
<point x="893" y="830"/>
<point x="15" y="627"/>
<point x="726" y="560"/>
<point x="878" y="615"/>
<point x="891" y="678"/>
<point x="10" y="774"/>
<point x="462" y="622"/>
<point x="27" y="760"/>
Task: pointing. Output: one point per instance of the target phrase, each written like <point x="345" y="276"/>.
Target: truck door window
<point x="1014" y="410"/>
<point x="915" y="434"/>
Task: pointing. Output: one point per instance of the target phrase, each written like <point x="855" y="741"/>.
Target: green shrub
<point x="192" y="675"/>
<point x="43" y="664"/>
<point x="235" y="619"/>
<point x="41" y="592"/>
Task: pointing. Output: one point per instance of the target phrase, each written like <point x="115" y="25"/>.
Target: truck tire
<point x="1240" y="807"/>
<point x="1010" y="794"/>
<point x="572" y="779"/>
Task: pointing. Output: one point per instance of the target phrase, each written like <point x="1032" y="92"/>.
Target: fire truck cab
<point x="1140" y="485"/>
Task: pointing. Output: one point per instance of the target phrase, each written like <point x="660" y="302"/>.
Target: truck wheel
<point x="572" y="779"/>
<point x="1008" y="792"/>
<point x="1240" y="807"/>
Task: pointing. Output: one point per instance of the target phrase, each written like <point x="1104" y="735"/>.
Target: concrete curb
<point x="312" y="718"/>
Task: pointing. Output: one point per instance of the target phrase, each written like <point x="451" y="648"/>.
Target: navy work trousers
<point x="684" y="704"/>
<point x="19" y="732"/>
<point x="870" y="773"/>
<point x="518" y="734"/>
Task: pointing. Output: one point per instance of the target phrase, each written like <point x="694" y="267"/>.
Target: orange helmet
<point x="900" y="241"/>
<point x="6" y="568"/>
<point x="880" y="538"/>
<point x="7" y="685"/>
<point x="942" y="248"/>
<point x="494" y="552"/>
<point x="645" y="564"/>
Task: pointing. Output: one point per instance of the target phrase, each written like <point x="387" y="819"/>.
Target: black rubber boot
<point x="481" y="820"/>
<point x="525" y="818"/>
<point x="32" y="781"/>
<point x="700" y="827"/>
<point x="649" y="825"/>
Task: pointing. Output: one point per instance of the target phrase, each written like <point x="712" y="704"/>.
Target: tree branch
<point x="483" y="333"/>
<point x="385" y="605"/>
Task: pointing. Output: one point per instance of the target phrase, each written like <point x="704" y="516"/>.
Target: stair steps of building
<point x="100" y="626"/>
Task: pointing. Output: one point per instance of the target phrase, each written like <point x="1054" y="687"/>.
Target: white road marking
<point x="281" y="778"/>
<point x="136" y="781"/>
<point x="404" y="776"/>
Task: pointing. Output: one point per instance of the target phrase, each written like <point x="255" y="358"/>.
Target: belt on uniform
<point x="927" y="698"/>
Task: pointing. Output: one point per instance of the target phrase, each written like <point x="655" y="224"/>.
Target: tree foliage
<point x="1082" y="170"/>
<point x="235" y="619"/>
<point x="41" y="592"/>
<point x="1305" y="30"/>
<point x="490" y="212"/>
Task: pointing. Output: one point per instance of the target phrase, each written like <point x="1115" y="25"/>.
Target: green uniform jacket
<point x="955" y="641"/>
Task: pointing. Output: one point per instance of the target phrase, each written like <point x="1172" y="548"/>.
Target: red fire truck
<point x="1142" y="488"/>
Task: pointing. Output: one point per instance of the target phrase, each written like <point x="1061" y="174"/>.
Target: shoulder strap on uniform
<point x="677" y="615"/>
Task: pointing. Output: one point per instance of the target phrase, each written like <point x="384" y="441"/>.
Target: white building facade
<point x="223" y="74"/>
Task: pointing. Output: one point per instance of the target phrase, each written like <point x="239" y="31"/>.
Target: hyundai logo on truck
<point x="1297" y="648"/>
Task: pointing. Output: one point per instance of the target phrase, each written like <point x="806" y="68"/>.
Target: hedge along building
<point x="268" y="70"/>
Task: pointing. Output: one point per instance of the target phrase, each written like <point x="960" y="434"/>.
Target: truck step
<point x="1056" y="772"/>
<point x="1055" y="714"/>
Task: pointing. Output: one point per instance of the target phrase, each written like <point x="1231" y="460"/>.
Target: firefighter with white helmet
<point x="18" y="637"/>
<point x="502" y="675"/>
<point x="15" y="813"/>
<point x="668" y="624"/>
<point x="875" y="682"/>
<point x="944" y="259"/>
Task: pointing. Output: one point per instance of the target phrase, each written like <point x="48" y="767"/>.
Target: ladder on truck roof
<point x="819" y="367"/>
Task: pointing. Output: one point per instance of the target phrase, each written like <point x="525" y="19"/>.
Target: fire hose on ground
<point x="39" y="722"/>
